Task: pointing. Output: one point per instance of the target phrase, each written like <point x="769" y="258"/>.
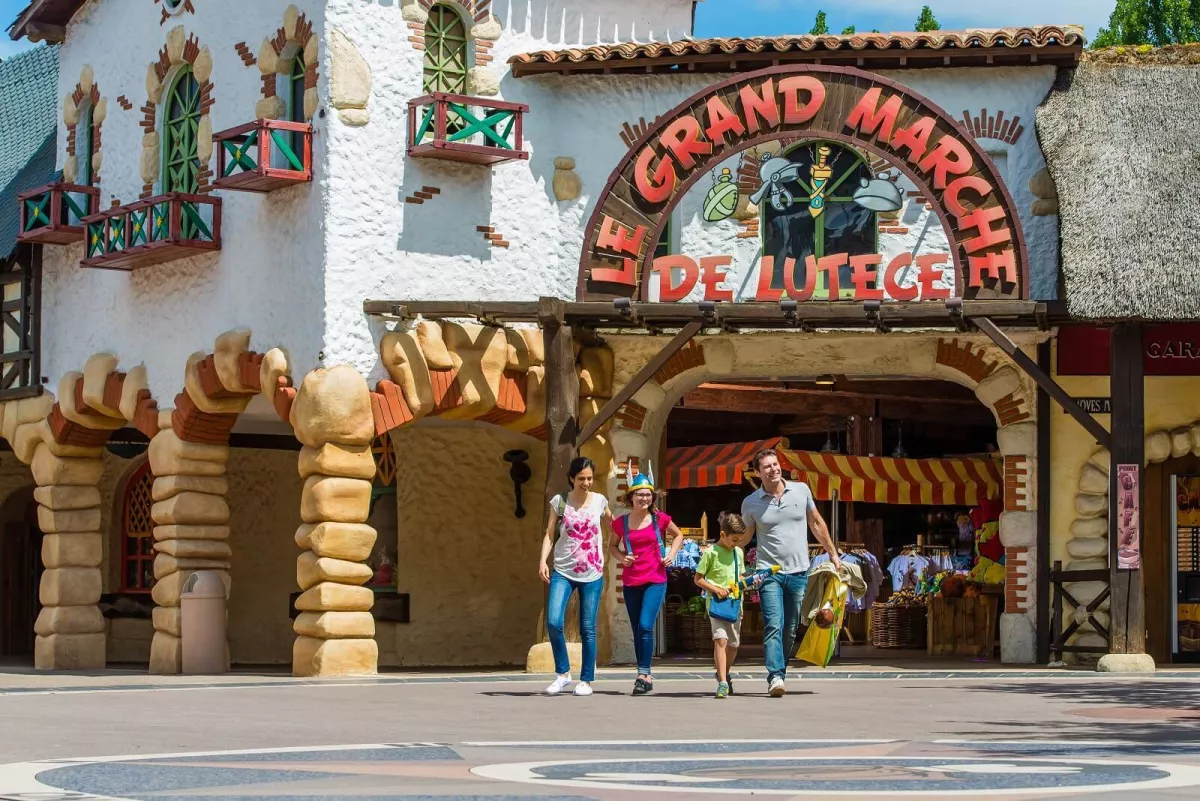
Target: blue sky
<point x="773" y="17"/>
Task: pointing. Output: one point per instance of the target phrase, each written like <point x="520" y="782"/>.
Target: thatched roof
<point x="1120" y="135"/>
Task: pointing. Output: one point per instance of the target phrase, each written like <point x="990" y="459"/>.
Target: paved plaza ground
<point x="859" y="732"/>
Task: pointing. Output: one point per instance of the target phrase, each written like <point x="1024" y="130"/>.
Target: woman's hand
<point x="628" y="559"/>
<point x="544" y="572"/>
<point x="668" y="560"/>
<point x="721" y="592"/>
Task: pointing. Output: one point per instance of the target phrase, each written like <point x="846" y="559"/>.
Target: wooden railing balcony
<point x="53" y="214"/>
<point x="469" y="129"/>
<point x="152" y="231"/>
<point x="264" y="155"/>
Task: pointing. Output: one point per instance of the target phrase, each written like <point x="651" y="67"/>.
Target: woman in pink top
<point x="638" y="543"/>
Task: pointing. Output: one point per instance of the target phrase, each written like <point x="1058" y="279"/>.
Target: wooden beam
<point x="900" y="389"/>
<point x="562" y="397"/>
<point x="1044" y="481"/>
<point x="639" y="380"/>
<point x="1127" y="388"/>
<point x="1043" y="380"/>
<point x="750" y="399"/>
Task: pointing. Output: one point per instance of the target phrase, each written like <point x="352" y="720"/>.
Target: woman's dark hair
<point x="578" y="465"/>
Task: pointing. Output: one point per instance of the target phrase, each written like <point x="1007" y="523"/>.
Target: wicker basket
<point x="672" y="623"/>
<point x="898" y="626"/>
<point x="695" y="633"/>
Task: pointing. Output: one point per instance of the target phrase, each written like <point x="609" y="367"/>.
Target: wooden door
<point x="20" y="574"/>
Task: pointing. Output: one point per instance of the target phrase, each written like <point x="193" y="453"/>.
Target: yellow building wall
<point x="468" y="564"/>
<point x="1171" y="402"/>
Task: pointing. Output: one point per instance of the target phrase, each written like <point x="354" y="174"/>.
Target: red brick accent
<point x="192" y="425"/>
<point x="1016" y="483"/>
<point x="250" y="370"/>
<point x="425" y="193"/>
<point x="162" y="67"/>
<point x="962" y="358"/>
<point x="93" y="97"/>
<point x="489" y="233"/>
<point x="446" y="394"/>
<point x="1011" y="409"/>
<point x="68" y="433"/>
<point x="510" y="401"/>
<point x="124" y="102"/>
<point x="279" y="41"/>
<point x="630" y="134"/>
<point x="389" y="407"/>
<point x="145" y="419"/>
<point x="689" y="356"/>
<point x="993" y="126"/>
<point x="1016" y="580"/>
<point x="632" y="416"/>
<point x="893" y="229"/>
<point x="248" y="58"/>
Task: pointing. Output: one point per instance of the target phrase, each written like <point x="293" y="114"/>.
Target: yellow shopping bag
<point x="820" y="643"/>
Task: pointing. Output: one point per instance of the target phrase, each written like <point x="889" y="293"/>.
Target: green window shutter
<point x="181" y="124"/>
<point x="445" y="51"/>
<point x="83" y="147"/>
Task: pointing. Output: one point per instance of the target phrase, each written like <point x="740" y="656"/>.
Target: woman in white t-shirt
<point x="579" y="523"/>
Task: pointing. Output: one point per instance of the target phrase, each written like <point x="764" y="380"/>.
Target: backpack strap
<point x="562" y="517"/>
<point x="662" y="548"/>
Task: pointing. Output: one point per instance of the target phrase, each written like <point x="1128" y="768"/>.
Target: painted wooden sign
<point x="828" y="104"/>
<point x="1167" y="349"/>
<point x="1095" y="405"/>
<point x="1129" y="518"/>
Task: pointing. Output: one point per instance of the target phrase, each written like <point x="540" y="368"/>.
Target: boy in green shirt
<point x="718" y="573"/>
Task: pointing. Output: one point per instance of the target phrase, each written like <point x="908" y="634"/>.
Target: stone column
<point x="191" y="526"/>
<point x="335" y="630"/>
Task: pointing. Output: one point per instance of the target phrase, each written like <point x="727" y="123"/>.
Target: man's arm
<point x="748" y="519"/>
<point x="816" y="524"/>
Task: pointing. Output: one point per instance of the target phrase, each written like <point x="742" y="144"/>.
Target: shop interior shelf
<point x="264" y="155"/>
<point x="467" y="129"/>
<point x="153" y="231"/>
<point x="53" y="214"/>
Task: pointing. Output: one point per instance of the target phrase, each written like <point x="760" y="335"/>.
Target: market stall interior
<point x="905" y="472"/>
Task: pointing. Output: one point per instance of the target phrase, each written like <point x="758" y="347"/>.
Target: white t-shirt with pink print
<point x="579" y="552"/>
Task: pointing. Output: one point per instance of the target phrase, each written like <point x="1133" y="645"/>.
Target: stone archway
<point x="971" y="362"/>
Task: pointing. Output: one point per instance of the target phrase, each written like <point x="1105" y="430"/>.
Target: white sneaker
<point x="560" y="683"/>
<point x="776" y="688"/>
<point x="583" y="688"/>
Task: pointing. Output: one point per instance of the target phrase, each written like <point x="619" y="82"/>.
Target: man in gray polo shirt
<point x="781" y="513"/>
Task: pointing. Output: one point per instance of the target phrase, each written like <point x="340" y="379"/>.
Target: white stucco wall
<point x="268" y="274"/>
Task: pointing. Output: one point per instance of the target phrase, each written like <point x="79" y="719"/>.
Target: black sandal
<point x="640" y="687"/>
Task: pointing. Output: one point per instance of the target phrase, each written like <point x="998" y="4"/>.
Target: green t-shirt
<point x="717" y="565"/>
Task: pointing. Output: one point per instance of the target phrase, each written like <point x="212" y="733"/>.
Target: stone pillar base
<point x="541" y="658"/>
<point x="1125" y="663"/>
<point x="69" y="652"/>
<point x="312" y="656"/>
<point x="1018" y="640"/>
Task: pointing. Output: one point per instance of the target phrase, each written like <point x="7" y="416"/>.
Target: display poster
<point x="1129" y="519"/>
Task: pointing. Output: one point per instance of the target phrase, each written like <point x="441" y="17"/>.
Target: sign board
<point x="1129" y="518"/>
<point x="835" y="105"/>
<point x="1167" y="349"/>
<point x="1095" y="405"/>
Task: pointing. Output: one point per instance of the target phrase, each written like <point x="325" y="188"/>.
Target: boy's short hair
<point x="732" y="523"/>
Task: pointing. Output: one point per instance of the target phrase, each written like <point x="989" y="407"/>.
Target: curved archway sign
<point x="986" y="247"/>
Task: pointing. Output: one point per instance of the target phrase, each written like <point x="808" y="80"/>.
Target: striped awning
<point x="711" y="465"/>
<point x="877" y="479"/>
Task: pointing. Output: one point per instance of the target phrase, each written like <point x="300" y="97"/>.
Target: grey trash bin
<point x="202" y="623"/>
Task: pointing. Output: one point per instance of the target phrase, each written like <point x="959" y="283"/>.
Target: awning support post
<point x="638" y="381"/>
<point x="1043" y="380"/>
<point x="562" y="396"/>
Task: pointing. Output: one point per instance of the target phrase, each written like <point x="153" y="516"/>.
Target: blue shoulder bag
<point x="728" y="608"/>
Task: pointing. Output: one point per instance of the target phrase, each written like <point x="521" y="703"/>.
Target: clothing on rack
<point x="871" y="572"/>
<point x="689" y="555"/>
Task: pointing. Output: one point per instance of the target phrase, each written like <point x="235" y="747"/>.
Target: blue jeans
<point x="643" y="603"/>
<point x="781" y="596"/>
<point x="561" y="588"/>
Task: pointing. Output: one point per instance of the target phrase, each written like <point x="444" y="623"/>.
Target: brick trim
<point x="1011" y="409"/>
<point x="304" y="32"/>
<point x="688" y="357"/>
<point x="1016" y="483"/>
<point x="632" y="416"/>
<point x="162" y="68"/>
<point x="964" y="359"/>
<point x="993" y="126"/>
<point x="1016" y="580"/>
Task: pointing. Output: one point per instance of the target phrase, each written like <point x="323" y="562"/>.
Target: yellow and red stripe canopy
<point x="712" y="465"/>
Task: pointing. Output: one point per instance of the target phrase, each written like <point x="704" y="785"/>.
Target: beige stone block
<point x="1158" y="447"/>
<point x="212" y="550"/>
<point x="167" y="619"/>
<point x="52" y="522"/>
<point x="1195" y="431"/>
<point x="589" y="408"/>
<point x="270" y="108"/>
<point x="165" y="533"/>
<point x="202" y="66"/>
<point x="72" y="550"/>
<point x="100" y="113"/>
<point x="312" y="570"/>
<point x="333" y="405"/>
<point x="479" y="355"/>
<point x="87" y="78"/>
<point x="1092" y="480"/>
<point x="330" y="596"/>
<point x="176" y="38"/>
<point x="483" y="81"/>
<point x="167" y="590"/>
<point x="1088" y="548"/>
<point x="350" y="74"/>
<point x="489" y="29"/>
<point x="204" y="140"/>
<point x="350" y="541"/>
<point x="1101" y="459"/>
<point x="227" y="354"/>
<point x="70" y="586"/>
<point x="69" y="652"/>
<point x="535" y="401"/>
<point x="66" y="394"/>
<point x="1091" y="505"/>
<point x="406" y="364"/>
<point x="49" y="469"/>
<point x="235" y="404"/>
<point x="69" y="620"/>
<point x="1090" y="527"/>
<point x="170" y="456"/>
<point x="291" y="15"/>
<point x="1088" y="564"/>
<point x="274" y="366"/>
<point x="30" y="410"/>
<point x="29" y="435"/>
<point x="413" y="11"/>
<point x="316" y="657"/>
<point x="131" y="628"/>
<point x="97" y="161"/>
<point x="1181" y="443"/>
<point x="595" y="373"/>
<point x="195" y="508"/>
<point x="566" y="183"/>
<point x="165" y="565"/>
<point x="1042" y="184"/>
<point x="347" y="461"/>
<point x="166" y="654"/>
<point x="148" y="163"/>
<point x="354" y="117"/>
<point x="67" y="498"/>
<point x="311" y="98"/>
<point x="999" y="384"/>
<point x="268" y="59"/>
<point x="335" y="625"/>
<point x="70" y="111"/>
<point x="335" y="500"/>
<point x="599" y="450"/>
<point x="153" y="85"/>
<point x="95" y="375"/>
<point x="1018" y="439"/>
<point x="70" y="169"/>
<point x="167" y="487"/>
<point x="541" y="659"/>
<point x="310" y="50"/>
<point x="136" y="379"/>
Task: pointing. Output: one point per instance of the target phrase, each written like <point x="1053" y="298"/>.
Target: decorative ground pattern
<point x="618" y="769"/>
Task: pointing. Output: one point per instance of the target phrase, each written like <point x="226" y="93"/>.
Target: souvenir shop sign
<point x="1167" y="349"/>
<point x="1129" y="519"/>
<point x="806" y="102"/>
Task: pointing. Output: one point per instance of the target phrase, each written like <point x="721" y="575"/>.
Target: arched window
<point x="289" y="87"/>
<point x="812" y="212"/>
<point x="181" y="124"/>
<point x="83" y="145"/>
<point x="137" y="532"/>
<point x="445" y="51"/>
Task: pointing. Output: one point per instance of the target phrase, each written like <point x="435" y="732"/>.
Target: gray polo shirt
<point x="782" y="526"/>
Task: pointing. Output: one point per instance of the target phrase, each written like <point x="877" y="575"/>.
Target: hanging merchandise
<point x="722" y="198"/>
<point x="989" y="550"/>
